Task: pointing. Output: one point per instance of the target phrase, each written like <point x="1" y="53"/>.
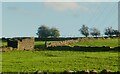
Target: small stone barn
<point x="21" y="43"/>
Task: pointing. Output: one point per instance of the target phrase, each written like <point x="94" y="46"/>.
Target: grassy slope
<point x="97" y="42"/>
<point x="58" y="60"/>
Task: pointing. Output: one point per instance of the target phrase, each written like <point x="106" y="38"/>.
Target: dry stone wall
<point x="26" y="44"/>
<point x="64" y="45"/>
<point x="67" y="72"/>
<point x="61" y="43"/>
<point x="21" y="43"/>
<point x="4" y="49"/>
<point x="83" y="48"/>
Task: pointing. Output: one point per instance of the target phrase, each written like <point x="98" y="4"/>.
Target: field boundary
<point x="67" y="72"/>
<point x="83" y="48"/>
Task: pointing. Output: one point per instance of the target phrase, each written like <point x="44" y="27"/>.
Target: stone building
<point x="22" y="43"/>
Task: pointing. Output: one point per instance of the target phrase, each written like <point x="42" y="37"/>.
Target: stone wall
<point x="26" y="44"/>
<point x="83" y="48"/>
<point x="67" y="72"/>
<point x="21" y="43"/>
<point x="61" y="43"/>
<point x="64" y="45"/>
<point x="4" y="49"/>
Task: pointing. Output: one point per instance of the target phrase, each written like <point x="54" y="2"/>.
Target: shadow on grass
<point x="85" y="49"/>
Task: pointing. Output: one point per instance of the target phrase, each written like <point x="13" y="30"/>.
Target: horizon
<point x="21" y="19"/>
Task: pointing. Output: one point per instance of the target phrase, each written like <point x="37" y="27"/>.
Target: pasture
<point x="113" y="42"/>
<point x="58" y="61"/>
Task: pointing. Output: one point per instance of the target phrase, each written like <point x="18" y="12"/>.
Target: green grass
<point x="40" y="44"/>
<point x="97" y="42"/>
<point x="3" y="43"/>
<point x="57" y="61"/>
<point x="0" y="61"/>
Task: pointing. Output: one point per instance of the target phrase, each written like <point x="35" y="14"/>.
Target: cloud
<point x="20" y="10"/>
<point x="61" y="6"/>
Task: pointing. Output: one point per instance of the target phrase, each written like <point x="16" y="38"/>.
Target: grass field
<point x="56" y="61"/>
<point x="97" y="42"/>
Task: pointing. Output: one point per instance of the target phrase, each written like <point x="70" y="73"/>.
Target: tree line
<point x="46" y="32"/>
<point x="109" y="31"/>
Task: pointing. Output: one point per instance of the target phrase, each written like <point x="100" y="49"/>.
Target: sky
<point x="24" y="18"/>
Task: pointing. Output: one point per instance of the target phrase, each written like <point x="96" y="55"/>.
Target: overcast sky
<point x="24" y="18"/>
